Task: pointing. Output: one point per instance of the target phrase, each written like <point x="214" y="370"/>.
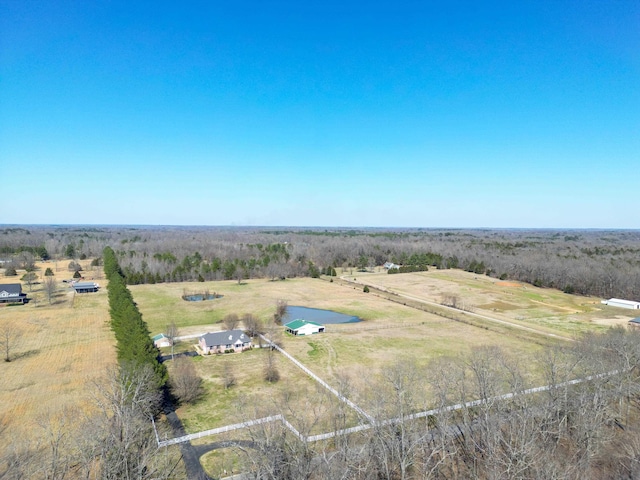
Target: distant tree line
<point x="590" y="262"/>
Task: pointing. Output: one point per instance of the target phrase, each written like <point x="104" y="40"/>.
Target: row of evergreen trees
<point x="134" y="344"/>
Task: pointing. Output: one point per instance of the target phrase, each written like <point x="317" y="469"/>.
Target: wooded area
<point x="590" y="262"/>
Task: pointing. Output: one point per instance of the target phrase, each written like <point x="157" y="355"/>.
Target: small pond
<point x="317" y="315"/>
<point x="199" y="297"/>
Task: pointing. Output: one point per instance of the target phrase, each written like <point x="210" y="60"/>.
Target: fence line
<point x="373" y="423"/>
<point x="341" y="397"/>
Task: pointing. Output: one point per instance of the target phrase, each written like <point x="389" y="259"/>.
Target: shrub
<point x="10" y="272"/>
<point x="365" y="289"/>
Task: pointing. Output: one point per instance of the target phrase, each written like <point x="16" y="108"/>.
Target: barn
<point x="617" y="302"/>
<point x="302" y="327"/>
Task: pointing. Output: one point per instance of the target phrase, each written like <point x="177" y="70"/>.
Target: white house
<point x="617" y="302"/>
<point x="302" y="327"/>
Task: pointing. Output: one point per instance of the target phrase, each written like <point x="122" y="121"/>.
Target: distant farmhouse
<point x="390" y="265"/>
<point x="223" y="342"/>
<point x="303" y="327"/>
<point x="85" y="287"/>
<point x="12" y="293"/>
<point x="616" y="302"/>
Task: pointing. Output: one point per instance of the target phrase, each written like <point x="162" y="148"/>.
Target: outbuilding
<point x="303" y="327"/>
<point x="85" y="287"/>
<point x="635" y="322"/>
<point x="161" y="340"/>
<point x="12" y="293"/>
<point x="617" y="302"/>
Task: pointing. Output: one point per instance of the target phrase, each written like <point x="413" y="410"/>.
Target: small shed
<point x="161" y="340"/>
<point x="303" y="327"/>
<point x="85" y="287"/>
<point x="12" y="293"/>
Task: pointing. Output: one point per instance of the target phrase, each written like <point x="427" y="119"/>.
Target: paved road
<point x="190" y="454"/>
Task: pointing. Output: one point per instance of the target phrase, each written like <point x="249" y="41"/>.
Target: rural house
<point x="85" y="287"/>
<point x="222" y="342"/>
<point x="12" y="293"/>
<point x="302" y="327"/>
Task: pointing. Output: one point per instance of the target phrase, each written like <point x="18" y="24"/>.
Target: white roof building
<point x="617" y="302"/>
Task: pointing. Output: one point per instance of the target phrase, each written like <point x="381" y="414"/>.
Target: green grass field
<point x="355" y="354"/>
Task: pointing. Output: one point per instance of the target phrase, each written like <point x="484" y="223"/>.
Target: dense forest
<point x="603" y="263"/>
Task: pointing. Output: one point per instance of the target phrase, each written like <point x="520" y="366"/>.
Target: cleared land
<point x="63" y="348"/>
<point x="548" y="310"/>
<point x="353" y="354"/>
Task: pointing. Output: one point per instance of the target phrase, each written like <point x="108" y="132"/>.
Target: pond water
<point x="199" y="297"/>
<point x="317" y="315"/>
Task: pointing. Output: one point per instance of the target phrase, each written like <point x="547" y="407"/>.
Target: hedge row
<point x="134" y="344"/>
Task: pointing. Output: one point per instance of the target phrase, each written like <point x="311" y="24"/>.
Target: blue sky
<point x="414" y="114"/>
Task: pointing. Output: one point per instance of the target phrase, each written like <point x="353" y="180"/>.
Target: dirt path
<point x="436" y="308"/>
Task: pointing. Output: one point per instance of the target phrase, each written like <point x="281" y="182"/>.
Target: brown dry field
<point x="63" y="349"/>
<point x="546" y="309"/>
<point x="357" y="353"/>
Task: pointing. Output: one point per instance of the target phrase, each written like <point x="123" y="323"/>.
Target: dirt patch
<point x="617" y="321"/>
<point x="499" y="306"/>
<point x="509" y="284"/>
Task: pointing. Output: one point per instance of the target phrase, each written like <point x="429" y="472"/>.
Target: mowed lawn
<point x="547" y="309"/>
<point x="63" y="349"/>
<point x="349" y="354"/>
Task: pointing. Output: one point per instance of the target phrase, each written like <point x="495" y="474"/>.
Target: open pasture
<point x="351" y="356"/>
<point x="546" y="309"/>
<point x="61" y="349"/>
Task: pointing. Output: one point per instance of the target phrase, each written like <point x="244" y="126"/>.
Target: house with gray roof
<point x="224" y="342"/>
<point x="85" y="287"/>
<point x="12" y="293"/>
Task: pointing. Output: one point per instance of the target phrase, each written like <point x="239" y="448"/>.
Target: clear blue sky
<point x="345" y="113"/>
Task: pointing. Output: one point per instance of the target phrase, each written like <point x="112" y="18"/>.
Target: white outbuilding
<point x="617" y="302"/>
<point x="302" y="327"/>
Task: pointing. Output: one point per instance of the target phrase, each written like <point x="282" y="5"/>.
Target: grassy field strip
<point x="445" y="307"/>
<point x="341" y="397"/>
<point x="372" y="422"/>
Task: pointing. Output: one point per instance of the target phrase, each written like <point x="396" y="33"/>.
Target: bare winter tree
<point x="231" y="321"/>
<point x="252" y="324"/>
<point x="50" y="287"/>
<point x="281" y="311"/>
<point x="228" y="375"/>
<point x="185" y="382"/>
<point x="126" y="447"/>
<point x="30" y="278"/>
<point x="172" y="334"/>
<point x="10" y="339"/>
